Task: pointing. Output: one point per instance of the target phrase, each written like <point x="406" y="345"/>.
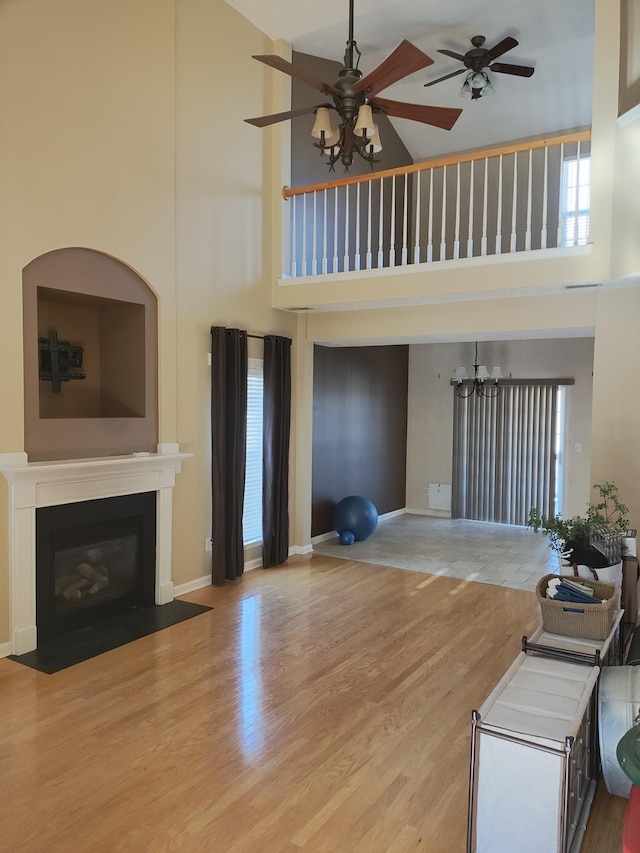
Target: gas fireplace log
<point x="98" y="575"/>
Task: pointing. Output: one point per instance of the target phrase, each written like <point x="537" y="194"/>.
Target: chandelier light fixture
<point x="356" y="132"/>
<point x="482" y="383"/>
<point x="344" y="124"/>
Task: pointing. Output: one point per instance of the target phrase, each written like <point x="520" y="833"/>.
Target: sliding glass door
<point x="507" y="453"/>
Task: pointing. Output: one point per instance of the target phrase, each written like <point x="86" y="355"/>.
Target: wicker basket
<point x="590" y="621"/>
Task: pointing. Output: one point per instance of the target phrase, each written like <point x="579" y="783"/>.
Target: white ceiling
<point x="555" y="36"/>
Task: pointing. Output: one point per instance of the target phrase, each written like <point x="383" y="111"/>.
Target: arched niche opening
<point x="87" y="313"/>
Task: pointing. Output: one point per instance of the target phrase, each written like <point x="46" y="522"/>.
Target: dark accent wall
<point x="359" y="428"/>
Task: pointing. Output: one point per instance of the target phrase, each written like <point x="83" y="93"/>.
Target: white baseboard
<point x="5" y="650"/>
<point x="192" y="586"/>
<point x="300" y="550"/>
<point x="434" y="513"/>
<point x="393" y="514"/>
<point x="200" y="583"/>
<point x="323" y="537"/>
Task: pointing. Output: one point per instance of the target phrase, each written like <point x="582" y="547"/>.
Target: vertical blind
<point x="252" y="512"/>
<point x="504" y="454"/>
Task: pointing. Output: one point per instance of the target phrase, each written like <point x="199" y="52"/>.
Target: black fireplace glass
<point x="93" y="559"/>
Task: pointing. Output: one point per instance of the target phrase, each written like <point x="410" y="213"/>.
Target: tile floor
<point x="469" y="550"/>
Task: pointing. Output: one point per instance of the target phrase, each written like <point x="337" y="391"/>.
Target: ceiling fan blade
<point x="453" y="55"/>
<point x="446" y="77"/>
<point x="281" y="64"/>
<point x="518" y="70"/>
<point x="404" y="60"/>
<point x="503" y="46"/>
<point x="444" y="117"/>
<point x="265" y="121"/>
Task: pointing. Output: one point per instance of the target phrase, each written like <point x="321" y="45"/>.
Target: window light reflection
<point x="251" y="724"/>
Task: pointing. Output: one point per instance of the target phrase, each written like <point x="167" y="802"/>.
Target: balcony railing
<point x="513" y="199"/>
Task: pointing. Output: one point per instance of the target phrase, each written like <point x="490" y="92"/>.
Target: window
<point x="252" y="511"/>
<point x="576" y="186"/>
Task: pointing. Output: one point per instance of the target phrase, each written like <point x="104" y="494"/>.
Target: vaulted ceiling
<point x="556" y="38"/>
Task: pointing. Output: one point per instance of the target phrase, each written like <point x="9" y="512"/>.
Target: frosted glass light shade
<point x="497" y="373"/>
<point x="460" y="374"/>
<point x="364" y="124"/>
<point x="483" y="373"/>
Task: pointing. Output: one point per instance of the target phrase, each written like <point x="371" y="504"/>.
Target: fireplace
<point x="71" y="483"/>
<point x="94" y="559"/>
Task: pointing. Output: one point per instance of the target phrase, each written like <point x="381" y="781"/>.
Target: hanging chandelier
<point x="482" y="383"/>
<point x="356" y="132"/>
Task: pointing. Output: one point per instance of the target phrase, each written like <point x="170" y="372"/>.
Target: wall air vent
<point x="582" y="286"/>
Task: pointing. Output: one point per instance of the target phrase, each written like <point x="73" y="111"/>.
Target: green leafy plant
<point x="608" y="514"/>
<point x="609" y="511"/>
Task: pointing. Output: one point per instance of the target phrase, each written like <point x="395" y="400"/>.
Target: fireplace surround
<point x="33" y="485"/>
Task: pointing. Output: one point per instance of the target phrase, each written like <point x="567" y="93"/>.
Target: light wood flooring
<point x="321" y="706"/>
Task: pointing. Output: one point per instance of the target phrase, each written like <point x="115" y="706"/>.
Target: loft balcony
<point x="509" y="221"/>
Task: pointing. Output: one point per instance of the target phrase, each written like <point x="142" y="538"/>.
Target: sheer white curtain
<point x="504" y="453"/>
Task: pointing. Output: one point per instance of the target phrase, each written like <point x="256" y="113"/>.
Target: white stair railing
<point x="512" y="199"/>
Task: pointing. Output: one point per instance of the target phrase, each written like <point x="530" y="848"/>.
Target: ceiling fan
<point x="478" y="61"/>
<point x="355" y="100"/>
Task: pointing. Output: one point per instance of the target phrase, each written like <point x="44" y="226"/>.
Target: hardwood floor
<point x="322" y="706"/>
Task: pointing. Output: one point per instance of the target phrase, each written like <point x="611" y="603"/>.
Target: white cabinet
<point x="534" y="751"/>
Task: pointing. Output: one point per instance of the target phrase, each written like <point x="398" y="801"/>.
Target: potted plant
<point x="594" y="540"/>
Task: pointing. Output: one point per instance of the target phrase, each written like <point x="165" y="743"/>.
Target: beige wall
<point x="430" y="421"/>
<point x="120" y="133"/>
<point x="616" y="396"/>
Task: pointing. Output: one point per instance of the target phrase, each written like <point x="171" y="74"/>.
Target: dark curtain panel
<point x="228" y="450"/>
<point x="277" y="428"/>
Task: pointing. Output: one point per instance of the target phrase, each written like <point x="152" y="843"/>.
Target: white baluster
<point x="392" y="231"/>
<point x="324" y="231"/>
<point x="346" y="229"/>
<point x="416" y="248"/>
<point x="514" y="202"/>
<point x="381" y="226"/>
<point x="335" y="229"/>
<point x="485" y="196"/>
<point x="443" y="220"/>
<point x="368" y="260"/>
<point x="576" y="239"/>
<point x="430" y="234"/>
<point x="456" y="236"/>
<point x="314" y="237"/>
<point x="527" y="236"/>
<point x="294" y="232"/>
<point x="499" y="210"/>
<point x="405" y="222"/>
<point x="470" y="227"/>
<point x="357" y="246"/>
<point x="562" y="189"/>
<point x="305" y="201"/>
<point x="545" y="197"/>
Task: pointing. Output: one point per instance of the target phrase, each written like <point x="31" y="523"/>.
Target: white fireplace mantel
<point x="39" y="484"/>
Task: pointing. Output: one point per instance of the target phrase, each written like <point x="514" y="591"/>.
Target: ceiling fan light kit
<point x="355" y="102"/>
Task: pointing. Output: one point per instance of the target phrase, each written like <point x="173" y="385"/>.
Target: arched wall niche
<point x="94" y="301"/>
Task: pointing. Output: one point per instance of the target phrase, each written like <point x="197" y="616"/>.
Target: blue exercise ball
<point x="357" y="515"/>
<point x="346" y="538"/>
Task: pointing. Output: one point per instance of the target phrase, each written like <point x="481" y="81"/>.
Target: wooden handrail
<point x="581" y="136"/>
